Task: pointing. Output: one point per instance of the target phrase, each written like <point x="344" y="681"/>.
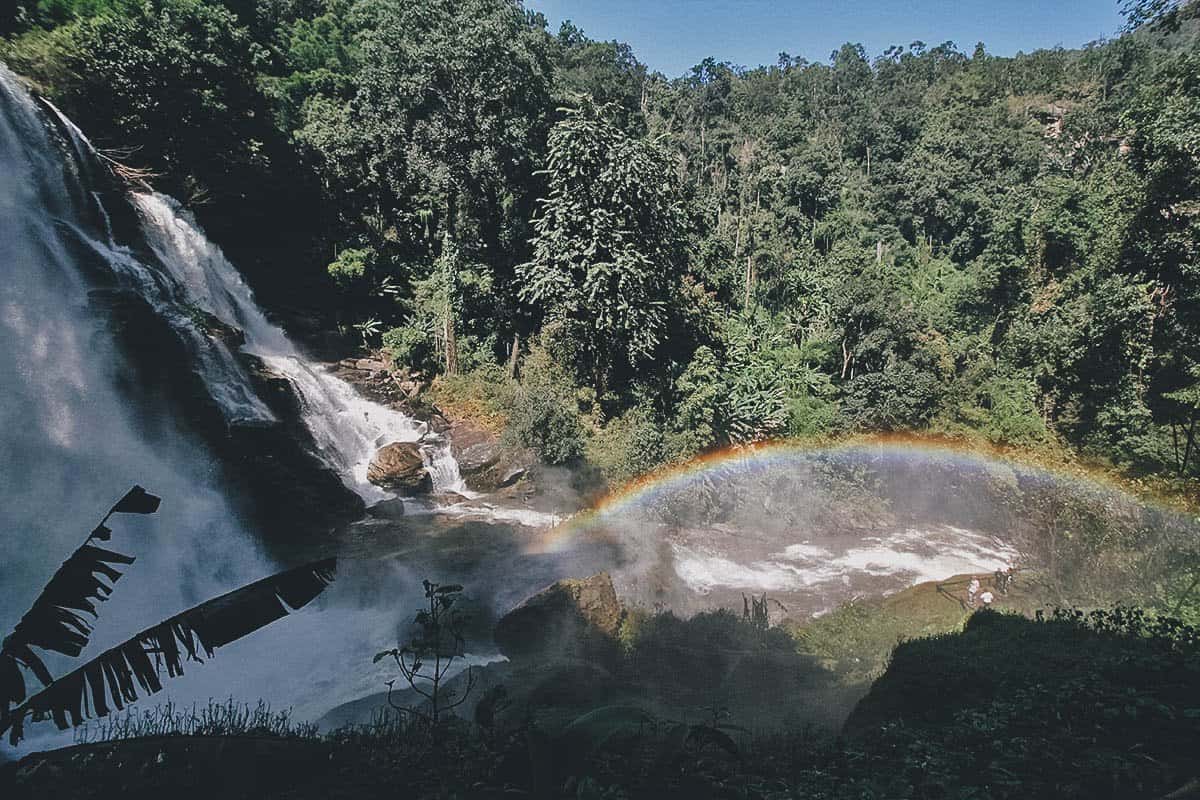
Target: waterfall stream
<point x="347" y="427"/>
<point x="75" y="430"/>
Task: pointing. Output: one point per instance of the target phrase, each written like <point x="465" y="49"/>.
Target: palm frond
<point x="113" y="679"/>
<point x="56" y="619"/>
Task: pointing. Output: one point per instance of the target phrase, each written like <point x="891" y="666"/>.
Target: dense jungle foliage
<point x="925" y="239"/>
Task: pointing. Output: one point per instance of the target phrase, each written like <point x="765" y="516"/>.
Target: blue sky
<point x="673" y="35"/>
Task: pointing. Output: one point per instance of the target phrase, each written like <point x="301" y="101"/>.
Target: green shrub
<point x="545" y="422"/>
<point x="810" y="415"/>
<point x="900" y="396"/>
<point x="628" y="446"/>
<point x="485" y="395"/>
<point x="1004" y="410"/>
<point x="410" y="346"/>
<point x="350" y="265"/>
<point x="544" y="416"/>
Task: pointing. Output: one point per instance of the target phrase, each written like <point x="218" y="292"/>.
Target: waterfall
<point x="347" y="427"/>
<point x="227" y="382"/>
<point x="76" y="431"/>
<point x="78" y="427"/>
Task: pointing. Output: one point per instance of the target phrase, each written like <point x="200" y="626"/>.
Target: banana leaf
<point x="113" y="679"/>
<point x="56" y="621"/>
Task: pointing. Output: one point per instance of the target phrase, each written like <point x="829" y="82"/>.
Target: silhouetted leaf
<point x="56" y="619"/>
<point x="113" y="679"/>
<point x="137" y="501"/>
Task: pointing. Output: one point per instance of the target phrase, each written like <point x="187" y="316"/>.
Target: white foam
<point x="348" y="428"/>
<point x="909" y="555"/>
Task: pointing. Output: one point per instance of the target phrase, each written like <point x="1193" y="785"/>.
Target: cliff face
<point x="276" y="478"/>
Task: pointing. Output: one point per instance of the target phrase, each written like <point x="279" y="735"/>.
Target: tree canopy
<point x="930" y="238"/>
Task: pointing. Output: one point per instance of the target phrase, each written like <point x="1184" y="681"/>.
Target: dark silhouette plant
<point x="112" y="679"/>
<point x="426" y="659"/>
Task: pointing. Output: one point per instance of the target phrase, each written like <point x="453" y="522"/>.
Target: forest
<point x="821" y="428"/>
<point x="629" y="269"/>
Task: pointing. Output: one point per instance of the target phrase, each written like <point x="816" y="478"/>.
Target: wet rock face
<point x="485" y="463"/>
<point x="283" y="486"/>
<point x="398" y="389"/>
<point x="399" y="467"/>
<point x="574" y="618"/>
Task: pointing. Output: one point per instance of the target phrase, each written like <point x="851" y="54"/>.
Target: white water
<point x="71" y="442"/>
<point x="239" y="402"/>
<point x="347" y="427"/>
<point x="901" y="558"/>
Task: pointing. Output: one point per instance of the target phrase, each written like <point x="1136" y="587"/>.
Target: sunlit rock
<point x="400" y="468"/>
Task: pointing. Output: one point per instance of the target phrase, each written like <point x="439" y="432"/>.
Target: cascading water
<point x="70" y="439"/>
<point x="348" y="428"/>
<point x="227" y="383"/>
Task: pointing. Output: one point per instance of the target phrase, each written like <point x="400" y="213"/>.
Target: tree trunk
<point x="750" y="250"/>
<point x="749" y="279"/>
<point x="450" y="340"/>
<point x="1175" y="445"/>
<point x="1187" y="446"/>
<point x="512" y="357"/>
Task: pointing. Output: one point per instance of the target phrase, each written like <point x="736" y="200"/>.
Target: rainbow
<point x="782" y="454"/>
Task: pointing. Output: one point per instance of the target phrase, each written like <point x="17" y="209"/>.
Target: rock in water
<point x="392" y="508"/>
<point x="571" y="618"/>
<point x="400" y="468"/>
<point x="485" y="463"/>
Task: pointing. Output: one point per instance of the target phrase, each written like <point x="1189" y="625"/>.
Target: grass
<point x="855" y="641"/>
<point x="214" y="719"/>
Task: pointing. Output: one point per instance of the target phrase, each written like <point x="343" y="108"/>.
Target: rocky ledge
<point x="399" y="467"/>
<point x="487" y="464"/>
<point x="573" y="618"/>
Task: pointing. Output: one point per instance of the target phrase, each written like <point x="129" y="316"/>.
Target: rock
<point x="573" y="618"/>
<point x="511" y="476"/>
<point x="287" y="490"/>
<point x="214" y="328"/>
<point x="399" y="467"/>
<point x="485" y="462"/>
<point x="392" y="508"/>
<point x="478" y="457"/>
<point x="434" y="417"/>
<point x="370" y="365"/>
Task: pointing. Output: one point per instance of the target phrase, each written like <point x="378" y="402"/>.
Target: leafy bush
<point x="546" y="422"/>
<point x="629" y="446"/>
<point x="810" y="415"/>
<point x="351" y="265"/>
<point x="1003" y="409"/>
<point x="900" y="396"/>
<point x="410" y="346"/>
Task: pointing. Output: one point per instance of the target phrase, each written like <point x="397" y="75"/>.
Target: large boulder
<point x="485" y="463"/>
<point x="573" y="618"/>
<point x="474" y="448"/>
<point x="400" y="468"/>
